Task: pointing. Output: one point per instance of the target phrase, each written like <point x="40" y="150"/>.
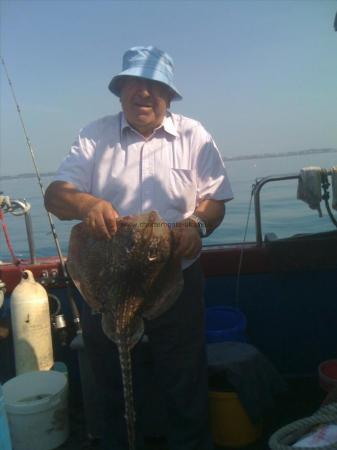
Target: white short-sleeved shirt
<point x="171" y="171"/>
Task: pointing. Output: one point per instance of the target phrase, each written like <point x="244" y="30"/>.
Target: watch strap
<point x="201" y="224"/>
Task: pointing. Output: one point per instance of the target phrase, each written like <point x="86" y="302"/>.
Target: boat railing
<point x="256" y="190"/>
<point x="20" y="208"/>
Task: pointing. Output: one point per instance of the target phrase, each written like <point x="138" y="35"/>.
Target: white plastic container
<point x="5" y="440"/>
<point x="31" y="326"/>
<point x="37" y="410"/>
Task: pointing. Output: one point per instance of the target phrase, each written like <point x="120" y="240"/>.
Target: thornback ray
<point x="131" y="276"/>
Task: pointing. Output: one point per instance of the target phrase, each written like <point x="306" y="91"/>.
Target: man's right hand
<point x="100" y="220"/>
<point x="66" y="202"/>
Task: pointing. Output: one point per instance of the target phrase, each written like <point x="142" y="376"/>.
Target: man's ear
<point x="170" y="98"/>
<point x="119" y="86"/>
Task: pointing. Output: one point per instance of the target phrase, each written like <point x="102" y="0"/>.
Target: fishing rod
<point x="76" y="316"/>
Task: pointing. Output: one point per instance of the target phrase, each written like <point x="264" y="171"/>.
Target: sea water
<point x="281" y="212"/>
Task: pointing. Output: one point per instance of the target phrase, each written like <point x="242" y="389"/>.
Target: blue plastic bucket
<point x="225" y="324"/>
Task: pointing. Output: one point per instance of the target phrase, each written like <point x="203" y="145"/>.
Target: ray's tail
<point x="130" y="414"/>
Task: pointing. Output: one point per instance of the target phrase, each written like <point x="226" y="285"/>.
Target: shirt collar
<point x="167" y="124"/>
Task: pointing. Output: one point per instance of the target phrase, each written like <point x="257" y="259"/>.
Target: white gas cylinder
<point x="31" y="326"/>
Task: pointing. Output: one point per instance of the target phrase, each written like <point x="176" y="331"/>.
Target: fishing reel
<point x="4" y="327"/>
<point x="58" y="321"/>
<point x="2" y="292"/>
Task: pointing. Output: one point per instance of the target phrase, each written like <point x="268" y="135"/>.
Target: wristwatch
<point x="201" y="225"/>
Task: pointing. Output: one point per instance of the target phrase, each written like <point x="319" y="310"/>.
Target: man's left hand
<point x="187" y="239"/>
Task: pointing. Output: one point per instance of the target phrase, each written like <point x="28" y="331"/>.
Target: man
<point x="146" y="158"/>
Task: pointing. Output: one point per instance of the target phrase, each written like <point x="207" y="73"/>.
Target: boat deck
<point x="302" y="399"/>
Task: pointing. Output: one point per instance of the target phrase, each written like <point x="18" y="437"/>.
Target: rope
<point x="284" y="438"/>
<point x="16" y="261"/>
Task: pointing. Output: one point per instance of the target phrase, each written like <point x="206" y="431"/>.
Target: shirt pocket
<point x="183" y="189"/>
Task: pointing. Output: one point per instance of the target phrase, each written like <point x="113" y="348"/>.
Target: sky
<point x="260" y="75"/>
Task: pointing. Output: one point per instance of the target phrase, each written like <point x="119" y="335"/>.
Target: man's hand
<point x="187" y="239"/>
<point x="68" y="203"/>
<point x="100" y="220"/>
<point x="186" y="233"/>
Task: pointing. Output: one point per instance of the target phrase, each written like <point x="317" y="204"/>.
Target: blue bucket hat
<point x="146" y="62"/>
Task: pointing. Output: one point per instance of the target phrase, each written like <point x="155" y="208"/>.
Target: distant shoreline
<point x="26" y="175"/>
<point x="281" y="154"/>
<point x="233" y="158"/>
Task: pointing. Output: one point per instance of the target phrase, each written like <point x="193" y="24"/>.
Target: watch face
<point x="202" y="228"/>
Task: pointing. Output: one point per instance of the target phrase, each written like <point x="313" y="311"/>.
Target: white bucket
<point x="5" y="441"/>
<point x="37" y="410"/>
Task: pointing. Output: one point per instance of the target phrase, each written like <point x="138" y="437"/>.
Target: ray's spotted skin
<point x="130" y="276"/>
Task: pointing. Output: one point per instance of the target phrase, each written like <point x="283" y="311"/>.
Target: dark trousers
<point x="177" y="346"/>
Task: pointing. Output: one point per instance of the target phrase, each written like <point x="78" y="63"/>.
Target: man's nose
<point x="144" y="87"/>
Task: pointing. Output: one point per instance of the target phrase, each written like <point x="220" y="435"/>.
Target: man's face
<point x="144" y="103"/>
